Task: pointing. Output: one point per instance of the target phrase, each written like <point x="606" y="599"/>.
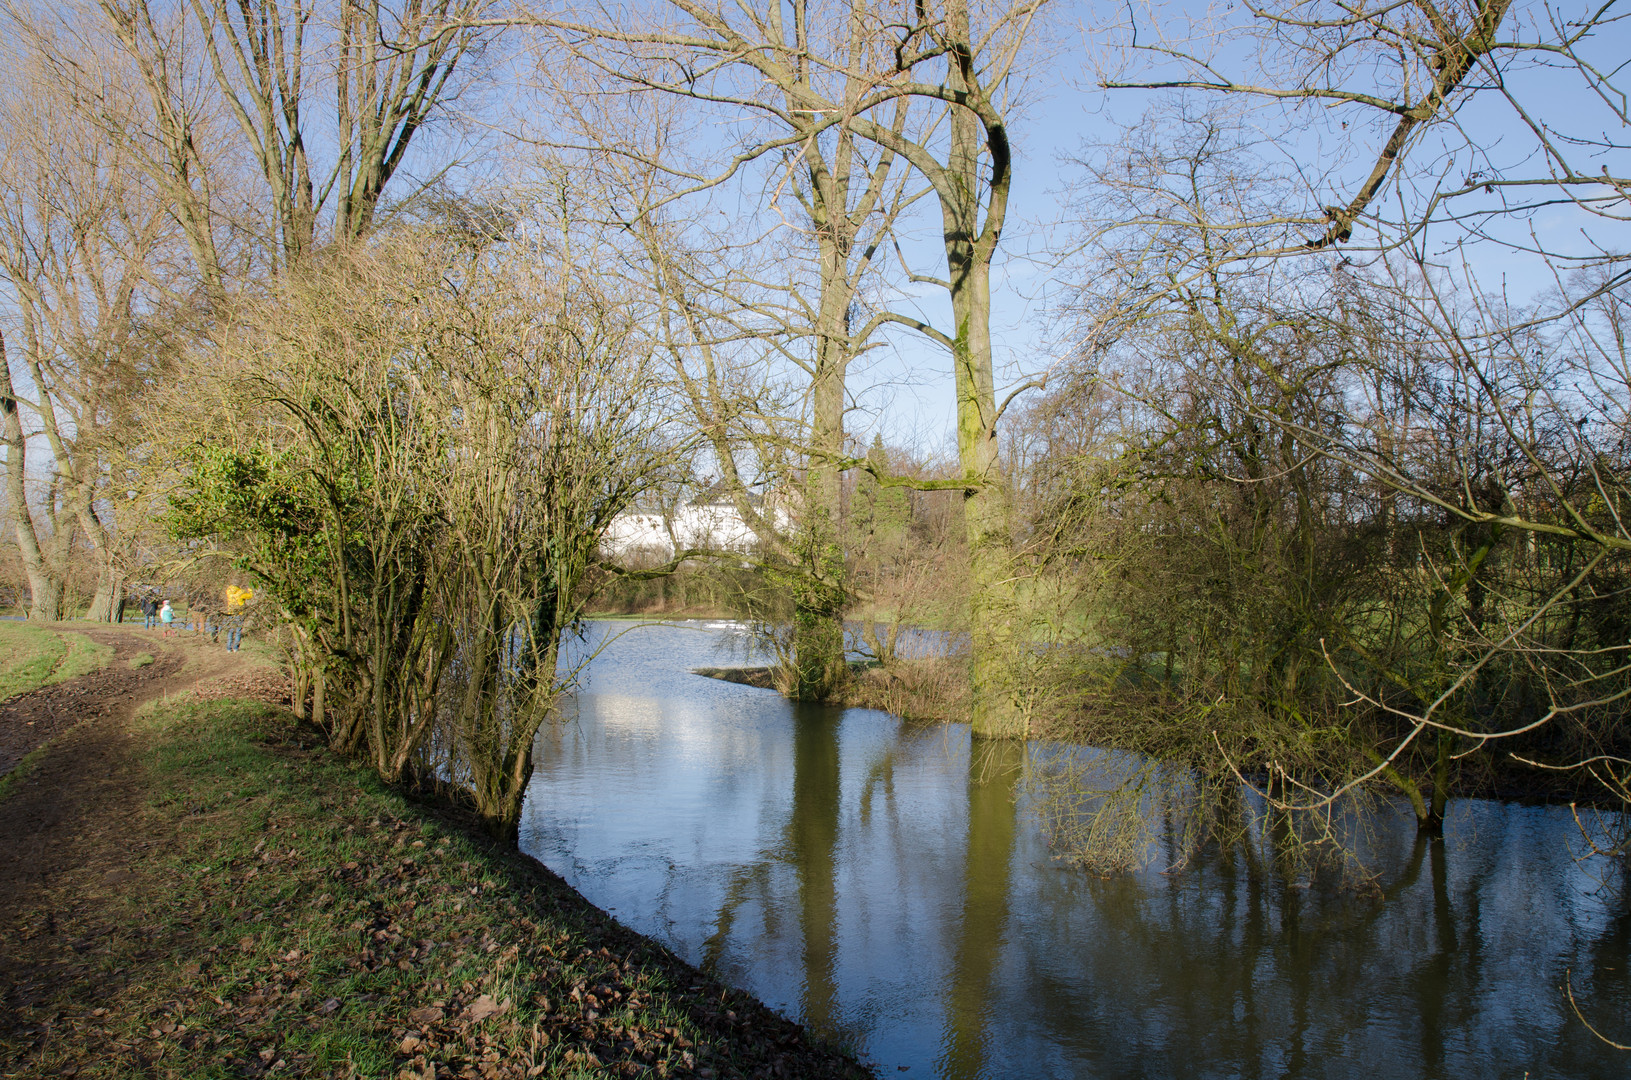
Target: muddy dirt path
<point x="32" y="719"/>
<point x="66" y="814"/>
<point x="73" y="834"/>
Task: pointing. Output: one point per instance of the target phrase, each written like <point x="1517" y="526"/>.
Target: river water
<point x="882" y="883"/>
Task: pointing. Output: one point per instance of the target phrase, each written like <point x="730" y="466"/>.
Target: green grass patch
<point x="20" y="771"/>
<point x="28" y="657"/>
<point x="83" y="656"/>
<point x="36" y="656"/>
<point x="140" y="660"/>
<point x="308" y="921"/>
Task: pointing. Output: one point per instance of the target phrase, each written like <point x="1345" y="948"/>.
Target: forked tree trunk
<point x="970" y="248"/>
<point x="44" y="586"/>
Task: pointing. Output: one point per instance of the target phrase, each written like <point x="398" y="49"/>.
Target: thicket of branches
<point x="427" y="439"/>
<point x="1327" y="549"/>
<point x="1355" y="516"/>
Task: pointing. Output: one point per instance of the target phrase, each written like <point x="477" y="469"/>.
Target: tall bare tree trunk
<point x="985" y="502"/>
<point x="821" y="593"/>
<point x="969" y="251"/>
<point x="44" y="586"/>
<point x="110" y="577"/>
<point x="105" y="601"/>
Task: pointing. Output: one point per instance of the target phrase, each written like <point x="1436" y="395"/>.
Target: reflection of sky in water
<point x="866" y="877"/>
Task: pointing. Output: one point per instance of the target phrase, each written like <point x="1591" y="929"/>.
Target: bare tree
<point x="83" y="240"/>
<point x="845" y="193"/>
<point x="144" y="102"/>
<point x="128" y="221"/>
<point x="1449" y="118"/>
<point x="222" y="84"/>
<point x="1389" y="545"/>
<point x="847" y="70"/>
<point x="1518" y="436"/>
<point x="1432" y="145"/>
<point x="388" y="67"/>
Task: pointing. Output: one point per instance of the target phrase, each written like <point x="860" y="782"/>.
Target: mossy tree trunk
<point x="972" y="185"/>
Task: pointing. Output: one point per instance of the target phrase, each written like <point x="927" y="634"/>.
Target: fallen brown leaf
<point x="484" y="1007"/>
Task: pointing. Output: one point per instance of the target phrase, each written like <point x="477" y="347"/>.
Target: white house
<point x="711" y="521"/>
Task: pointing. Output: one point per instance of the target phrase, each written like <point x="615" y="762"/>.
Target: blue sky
<point x="904" y="388"/>
<point x="1062" y="111"/>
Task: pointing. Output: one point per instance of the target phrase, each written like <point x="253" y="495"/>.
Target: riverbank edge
<point x="934" y="690"/>
<point x="924" y="690"/>
<point x="300" y="918"/>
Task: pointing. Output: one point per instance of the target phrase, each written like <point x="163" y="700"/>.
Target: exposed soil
<point x="760" y="677"/>
<point x="69" y="827"/>
<point x="29" y="720"/>
<point x="83" y="783"/>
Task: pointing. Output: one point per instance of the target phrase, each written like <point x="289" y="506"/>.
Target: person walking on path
<point x="237" y="599"/>
<point x="167" y="616"/>
<point x="234" y="625"/>
<point x="150" y="613"/>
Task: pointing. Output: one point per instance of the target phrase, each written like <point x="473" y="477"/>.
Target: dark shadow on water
<point x="811" y="845"/>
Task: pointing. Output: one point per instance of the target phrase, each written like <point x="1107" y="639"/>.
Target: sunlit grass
<point x="35" y="656"/>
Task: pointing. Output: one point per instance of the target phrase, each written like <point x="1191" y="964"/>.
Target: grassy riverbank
<point x="290" y="915"/>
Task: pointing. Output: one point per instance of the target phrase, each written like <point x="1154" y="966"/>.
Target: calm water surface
<point x="878" y="882"/>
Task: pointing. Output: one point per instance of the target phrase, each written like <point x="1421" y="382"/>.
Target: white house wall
<point x="713" y="526"/>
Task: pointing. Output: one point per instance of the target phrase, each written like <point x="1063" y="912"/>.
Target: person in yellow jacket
<point x="236" y="600"/>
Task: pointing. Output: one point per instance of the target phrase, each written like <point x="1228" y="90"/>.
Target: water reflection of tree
<point x="808" y="846"/>
<point x="745" y="883"/>
<point x="1456" y="961"/>
<point x="993" y="773"/>
<point x="811" y="842"/>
